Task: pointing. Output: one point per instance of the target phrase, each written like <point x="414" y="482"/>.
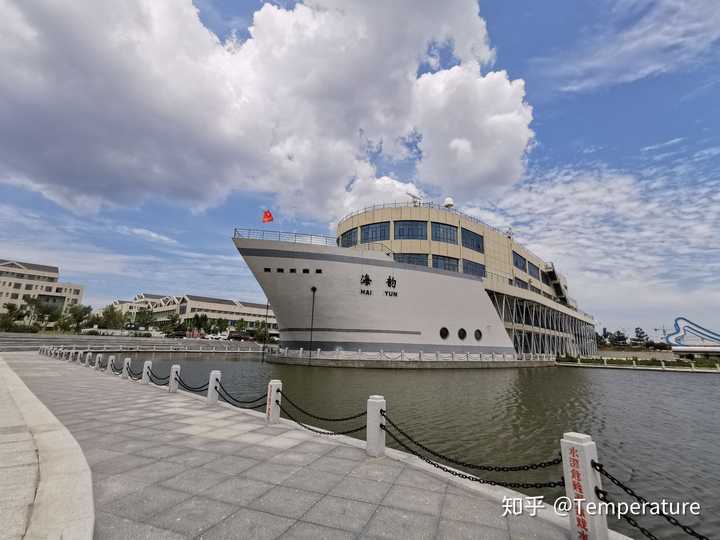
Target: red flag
<point x="267" y="216"/>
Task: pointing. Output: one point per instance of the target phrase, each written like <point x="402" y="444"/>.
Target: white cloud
<point x="109" y="103"/>
<point x="665" y="144"/>
<point x="147" y="235"/>
<point x="644" y="38"/>
<point x="636" y="249"/>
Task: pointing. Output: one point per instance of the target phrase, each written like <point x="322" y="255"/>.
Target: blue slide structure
<point x="685" y="327"/>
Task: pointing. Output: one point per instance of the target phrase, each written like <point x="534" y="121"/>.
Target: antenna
<point x="416" y="199"/>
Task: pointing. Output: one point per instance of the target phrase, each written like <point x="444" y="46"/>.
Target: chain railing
<point x="603" y="496"/>
<point x="239" y="403"/>
<point x="316" y="430"/>
<point x="317" y="417"/>
<point x="191" y="388"/>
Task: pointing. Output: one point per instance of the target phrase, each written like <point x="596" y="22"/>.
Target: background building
<point x="187" y="307"/>
<point x="22" y="281"/>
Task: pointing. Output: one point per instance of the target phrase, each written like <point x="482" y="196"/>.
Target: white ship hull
<point x="365" y="301"/>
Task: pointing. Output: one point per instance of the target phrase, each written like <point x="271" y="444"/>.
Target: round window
<point x="478" y="335"/>
<point x="462" y="334"/>
<point x="444" y="333"/>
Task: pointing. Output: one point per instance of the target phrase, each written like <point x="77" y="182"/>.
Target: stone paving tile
<point x="310" y="531"/>
<point x="250" y="524"/>
<point x="193" y="516"/>
<point x="111" y="527"/>
<point x="414" y="499"/>
<point x="473" y="509"/>
<point x="193" y="458"/>
<point x="148" y="501"/>
<point x="395" y="524"/>
<point x="109" y="488"/>
<point x="238" y="490"/>
<point x="194" y="480"/>
<point x="271" y="472"/>
<point x="458" y="530"/>
<point x="230" y="464"/>
<point x="333" y="464"/>
<point x="340" y="513"/>
<point x="313" y="480"/>
<point x="361" y="489"/>
<point x="286" y="501"/>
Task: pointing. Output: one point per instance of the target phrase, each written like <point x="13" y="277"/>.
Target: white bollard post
<point x="212" y="395"/>
<point x="375" y="439"/>
<point x="87" y="358"/>
<point x="172" y="382"/>
<point x="110" y="362"/>
<point x="578" y="451"/>
<point x="98" y="358"/>
<point x="126" y="366"/>
<point x="147" y="365"/>
<point x="272" y="410"/>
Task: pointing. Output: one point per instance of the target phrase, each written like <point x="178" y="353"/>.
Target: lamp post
<point x="312" y="318"/>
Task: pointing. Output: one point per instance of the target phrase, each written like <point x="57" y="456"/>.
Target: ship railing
<point x="279" y="236"/>
<point x="304" y="238"/>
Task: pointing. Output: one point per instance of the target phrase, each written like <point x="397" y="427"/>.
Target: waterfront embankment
<point x="166" y="465"/>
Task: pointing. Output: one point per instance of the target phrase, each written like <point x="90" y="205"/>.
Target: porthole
<point x="306" y="270"/>
<point x="268" y="270"/>
<point x="280" y="270"/>
<point x="293" y="270"/>
<point x="478" y="335"/>
<point x="444" y="333"/>
<point x="462" y="334"/>
<point x="318" y="270"/>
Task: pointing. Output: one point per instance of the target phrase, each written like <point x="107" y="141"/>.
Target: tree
<point x="78" y="314"/>
<point x="144" y="317"/>
<point x="172" y="323"/>
<point x="221" y="325"/>
<point x="261" y="332"/>
<point x="12" y="313"/>
<point x="640" y="334"/>
<point x="112" y="318"/>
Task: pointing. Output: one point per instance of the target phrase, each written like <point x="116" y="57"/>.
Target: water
<point x="658" y="432"/>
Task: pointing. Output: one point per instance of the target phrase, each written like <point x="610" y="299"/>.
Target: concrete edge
<point x="409" y="364"/>
<point x="638" y="368"/>
<point x="63" y="506"/>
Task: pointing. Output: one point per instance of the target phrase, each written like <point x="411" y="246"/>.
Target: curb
<point x="63" y="506"/>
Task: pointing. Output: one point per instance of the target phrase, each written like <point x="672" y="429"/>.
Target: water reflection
<point x="656" y="431"/>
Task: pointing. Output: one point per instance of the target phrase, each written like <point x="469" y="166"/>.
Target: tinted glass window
<point x="520" y="283"/>
<point x="533" y="270"/>
<point x="519" y="262"/>
<point x="348" y="238"/>
<point x="375" y="232"/>
<point x="444" y="233"/>
<point x="419" y="259"/>
<point x="445" y="263"/>
<point x="411" y="230"/>
<point x="472" y="241"/>
<point x="473" y="268"/>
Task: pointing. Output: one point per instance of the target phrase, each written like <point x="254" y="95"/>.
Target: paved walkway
<point x="166" y="466"/>
<point x="18" y="468"/>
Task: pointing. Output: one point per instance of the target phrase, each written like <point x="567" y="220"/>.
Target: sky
<point x="135" y="134"/>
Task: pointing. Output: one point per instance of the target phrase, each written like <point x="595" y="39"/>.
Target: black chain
<point x="599" y="467"/>
<point x="319" y="431"/>
<point x="316" y="417"/>
<point x="114" y="369"/>
<point x="156" y="376"/>
<point x="228" y="401"/>
<point x="236" y="400"/>
<point x="602" y="496"/>
<point x="182" y="383"/>
<point x="513" y="485"/>
<point x="134" y="374"/>
<point x="490" y="468"/>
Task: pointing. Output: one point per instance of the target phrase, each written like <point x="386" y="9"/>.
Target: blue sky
<point x="610" y="164"/>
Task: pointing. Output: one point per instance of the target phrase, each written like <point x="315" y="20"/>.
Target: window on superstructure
<point x="546" y="278"/>
<point x="520" y="283"/>
<point x="533" y="270"/>
<point x="375" y="232"/>
<point x="268" y="269"/>
<point x="519" y="262"/>
<point x="348" y="238"/>
<point x="472" y="240"/>
<point x="535" y="289"/>
<point x="473" y="268"/>
<point x="441" y="232"/>
<point x="306" y="270"/>
<point x="293" y="270"/>
<point x="445" y="263"/>
<point x="411" y="230"/>
<point x="418" y="259"/>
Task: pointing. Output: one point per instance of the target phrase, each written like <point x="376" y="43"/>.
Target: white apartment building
<point x="20" y="281"/>
<point x="188" y="305"/>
